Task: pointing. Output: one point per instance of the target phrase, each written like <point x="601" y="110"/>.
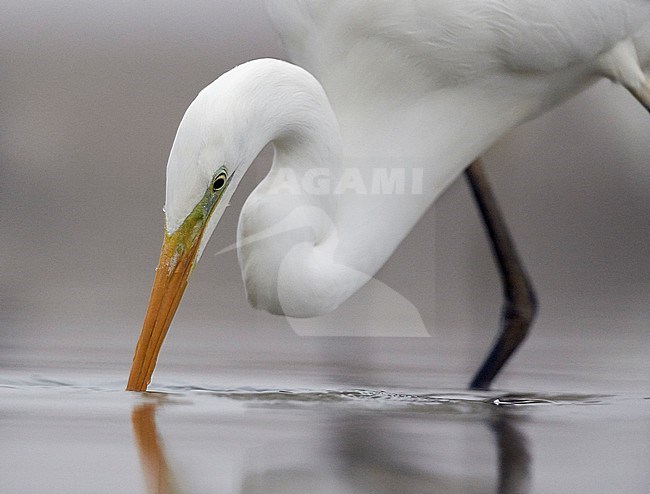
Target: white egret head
<point x="201" y="177"/>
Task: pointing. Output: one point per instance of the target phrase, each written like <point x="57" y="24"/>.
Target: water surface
<point x="328" y="425"/>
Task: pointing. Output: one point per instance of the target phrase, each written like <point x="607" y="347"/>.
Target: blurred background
<point x="91" y="93"/>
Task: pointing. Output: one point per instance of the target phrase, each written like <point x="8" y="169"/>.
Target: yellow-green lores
<point x="188" y="235"/>
<point x="177" y="260"/>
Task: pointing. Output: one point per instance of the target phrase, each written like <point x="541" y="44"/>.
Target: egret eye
<point x="219" y="182"/>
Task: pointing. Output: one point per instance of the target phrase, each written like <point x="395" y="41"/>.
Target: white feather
<point x="400" y="85"/>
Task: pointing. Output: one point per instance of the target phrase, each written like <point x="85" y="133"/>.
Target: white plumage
<point x="423" y="87"/>
<point x="413" y="85"/>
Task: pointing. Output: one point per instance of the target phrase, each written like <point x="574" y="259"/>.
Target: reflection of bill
<point x="157" y="474"/>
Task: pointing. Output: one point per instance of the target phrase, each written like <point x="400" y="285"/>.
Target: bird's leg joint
<point x="518" y="313"/>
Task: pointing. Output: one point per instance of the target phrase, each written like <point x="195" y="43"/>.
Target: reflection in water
<point x="374" y="463"/>
<point x="361" y="452"/>
<point x="514" y="458"/>
<point x="157" y="474"/>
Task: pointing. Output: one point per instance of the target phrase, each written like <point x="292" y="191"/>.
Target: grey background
<point x="91" y="94"/>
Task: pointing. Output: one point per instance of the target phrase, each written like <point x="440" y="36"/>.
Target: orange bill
<point x="172" y="274"/>
<point x="178" y="257"/>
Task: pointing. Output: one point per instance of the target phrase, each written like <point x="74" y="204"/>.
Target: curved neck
<point x="287" y="235"/>
<point x="280" y="103"/>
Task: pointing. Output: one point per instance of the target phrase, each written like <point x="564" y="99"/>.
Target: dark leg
<point x="520" y="304"/>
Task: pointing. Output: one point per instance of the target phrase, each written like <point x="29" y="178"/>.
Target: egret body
<point x="422" y="86"/>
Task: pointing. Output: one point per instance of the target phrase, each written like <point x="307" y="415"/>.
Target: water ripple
<point x="460" y="401"/>
<point x="372" y="397"/>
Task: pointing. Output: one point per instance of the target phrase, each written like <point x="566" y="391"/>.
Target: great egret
<point x="415" y="85"/>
